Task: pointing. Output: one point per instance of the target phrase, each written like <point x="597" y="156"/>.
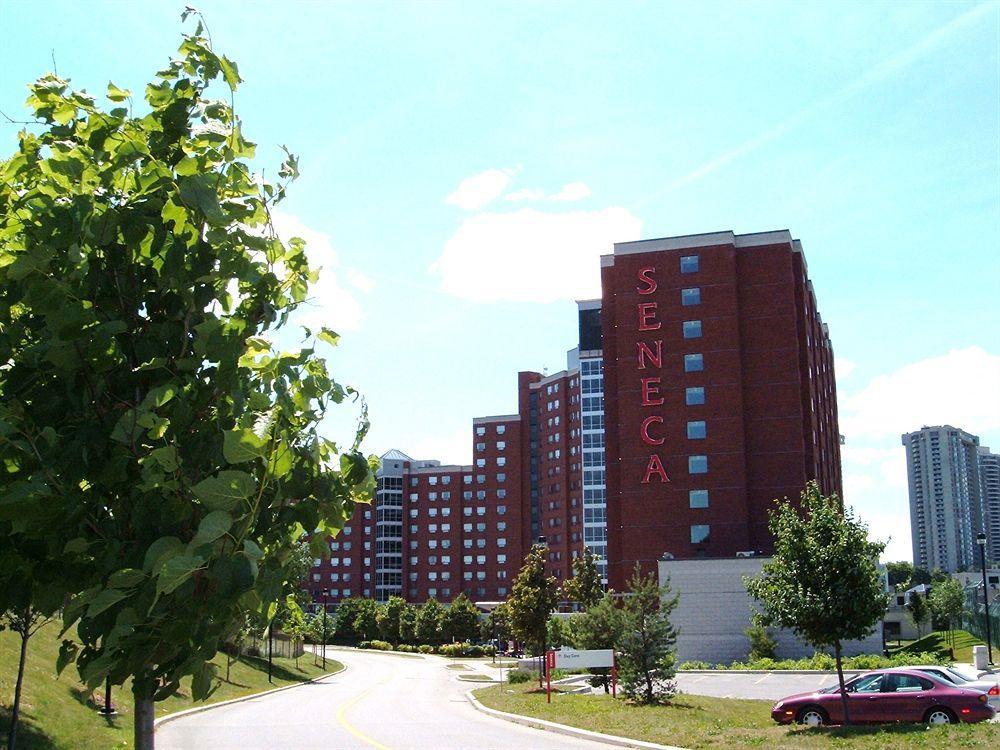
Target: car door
<point x="905" y="698"/>
<point x="863" y="698"/>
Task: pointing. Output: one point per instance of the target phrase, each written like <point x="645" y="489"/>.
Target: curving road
<point x="380" y="701"/>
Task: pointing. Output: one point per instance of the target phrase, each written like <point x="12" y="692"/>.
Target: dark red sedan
<point x="889" y="695"/>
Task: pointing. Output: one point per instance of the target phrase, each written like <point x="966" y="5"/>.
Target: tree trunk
<point x="144" y="714"/>
<point x="16" y="708"/>
<point x="840" y="679"/>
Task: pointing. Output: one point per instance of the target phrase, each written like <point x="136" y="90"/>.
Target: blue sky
<point x="444" y="145"/>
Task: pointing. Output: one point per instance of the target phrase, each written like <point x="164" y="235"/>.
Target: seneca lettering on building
<point x="650" y="354"/>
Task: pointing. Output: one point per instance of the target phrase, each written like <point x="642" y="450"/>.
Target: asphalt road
<point x="380" y="701"/>
<point x="770" y="686"/>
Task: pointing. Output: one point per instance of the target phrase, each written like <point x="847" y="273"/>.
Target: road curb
<point x="208" y="706"/>
<point x="551" y="726"/>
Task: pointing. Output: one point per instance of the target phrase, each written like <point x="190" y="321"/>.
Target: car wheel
<point x="812" y="717"/>
<point x="938" y="716"/>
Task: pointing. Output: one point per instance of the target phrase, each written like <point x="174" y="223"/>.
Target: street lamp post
<point x="325" y="592"/>
<point x="981" y="541"/>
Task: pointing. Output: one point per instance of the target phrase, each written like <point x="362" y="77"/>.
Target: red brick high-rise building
<point x="719" y="393"/>
<point x="701" y="389"/>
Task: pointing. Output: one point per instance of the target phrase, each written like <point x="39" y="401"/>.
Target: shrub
<point x="517" y="676"/>
<point x="406" y="648"/>
<point x="376" y="645"/>
<point x="695" y="665"/>
<point x="425" y="649"/>
<point x="452" y="649"/>
<point x="762" y="643"/>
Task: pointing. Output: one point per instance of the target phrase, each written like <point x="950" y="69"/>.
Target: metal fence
<point x="972" y="616"/>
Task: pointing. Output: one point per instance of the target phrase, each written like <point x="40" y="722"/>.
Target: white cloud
<point x="525" y="194"/>
<point x="330" y="302"/>
<point x="532" y="256"/>
<point x="477" y="191"/>
<point x="961" y="388"/>
<point x="571" y="191"/>
<point x="843" y="366"/>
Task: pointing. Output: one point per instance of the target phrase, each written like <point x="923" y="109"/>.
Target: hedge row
<point x="448" y="649"/>
<point x="825" y="662"/>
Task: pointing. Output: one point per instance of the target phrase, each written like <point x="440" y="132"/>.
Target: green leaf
<point x="67" y="655"/>
<point x="198" y="191"/>
<point x="75" y="546"/>
<point x="212" y="526"/>
<point x="325" y="334"/>
<point x="159" y="550"/>
<point x="230" y="72"/>
<point x="125" y="578"/>
<point x="243" y="445"/>
<point x="105" y="599"/>
<point x="354" y="468"/>
<point x="116" y="94"/>
<point x="224" y="491"/>
<point x="176" y="571"/>
<point x="166" y="457"/>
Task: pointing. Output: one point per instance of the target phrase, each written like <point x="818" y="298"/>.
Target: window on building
<point x="501" y="445"/>
<point x="694" y="396"/>
<point x="480" y="462"/>
<point x="501" y="461"/>
<point x="696" y="430"/>
<point x="501" y="478"/>
<point x="501" y="510"/>
<point x="691" y="296"/>
<point x="692" y="363"/>
<point x="480" y="431"/>
<point x="501" y="542"/>
<point x="689" y="264"/>
<point x="699" y="533"/>
<point x="697" y="464"/>
<point x="692" y="329"/>
<point x="480" y="446"/>
<point x="698" y="498"/>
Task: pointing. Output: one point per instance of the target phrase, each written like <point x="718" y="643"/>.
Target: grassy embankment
<point x="939" y="642"/>
<point x="58" y="713"/>
<point x="697" y="722"/>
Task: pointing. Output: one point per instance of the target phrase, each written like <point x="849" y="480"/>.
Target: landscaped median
<point x="696" y="722"/>
<point x="60" y="714"/>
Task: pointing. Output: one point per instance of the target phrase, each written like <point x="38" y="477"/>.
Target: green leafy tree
<point x="408" y="624"/>
<point x="762" y="643"/>
<point x="388" y="619"/>
<point x="917" y="605"/>
<point x="648" y="642"/>
<point x="496" y="625"/>
<point x="428" y="623"/>
<point x="366" y="620"/>
<point x="920" y="576"/>
<point x="585" y="587"/>
<point x="294" y="626"/>
<point x="601" y="626"/>
<point x="900" y="573"/>
<point x="346" y="615"/>
<point x="823" y="582"/>
<point x="460" y="621"/>
<point x="946" y="602"/>
<point x="533" y="598"/>
<point x="144" y="410"/>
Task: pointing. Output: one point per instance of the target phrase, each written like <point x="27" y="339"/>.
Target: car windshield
<point x="943" y="674"/>
<point x="957" y="676"/>
<point x="848" y="686"/>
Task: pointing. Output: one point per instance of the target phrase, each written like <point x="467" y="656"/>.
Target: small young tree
<point x="647" y="646"/>
<point x="347" y="614"/>
<point x="533" y="597"/>
<point x="496" y="625"/>
<point x="762" y="643"/>
<point x="428" y="625"/>
<point x="366" y="620"/>
<point x="917" y="605"/>
<point x="946" y="602"/>
<point x="408" y="624"/>
<point x="600" y="627"/>
<point x="388" y="618"/>
<point x="460" y="621"/>
<point x="144" y="405"/>
<point x="823" y="582"/>
<point x="585" y="586"/>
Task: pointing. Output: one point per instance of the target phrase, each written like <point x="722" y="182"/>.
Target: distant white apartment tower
<point x="989" y="480"/>
<point x="946" y="503"/>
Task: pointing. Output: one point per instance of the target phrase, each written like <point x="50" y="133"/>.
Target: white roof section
<point x="682" y="242"/>
<point x="496" y="418"/>
<point x="395" y="455"/>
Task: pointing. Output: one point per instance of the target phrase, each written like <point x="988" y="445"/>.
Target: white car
<point x="989" y="684"/>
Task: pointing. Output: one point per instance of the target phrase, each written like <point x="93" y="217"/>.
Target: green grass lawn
<point x="697" y="722"/>
<point x="938" y="642"/>
<point x="57" y="713"/>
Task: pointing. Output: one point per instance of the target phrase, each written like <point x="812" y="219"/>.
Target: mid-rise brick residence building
<point x="701" y="389"/>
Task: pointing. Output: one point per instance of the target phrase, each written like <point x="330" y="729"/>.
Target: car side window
<point x="906" y="683"/>
<point x="871" y="684"/>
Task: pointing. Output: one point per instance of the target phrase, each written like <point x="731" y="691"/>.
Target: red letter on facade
<point x="655" y="467"/>
<point x="647" y="310"/>
<point x="645" y="351"/>
<point x="644" y="275"/>
<point x="644" y="430"/>
<point x="650" y="390"/>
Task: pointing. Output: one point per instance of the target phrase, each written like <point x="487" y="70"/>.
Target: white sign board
<point x="570" y="658"/>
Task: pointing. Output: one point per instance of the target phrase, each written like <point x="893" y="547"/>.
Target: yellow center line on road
<point x="757" y="682"/>
<point x="346" y="705"/>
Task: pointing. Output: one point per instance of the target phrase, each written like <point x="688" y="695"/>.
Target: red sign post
<point x="550" y="664"/>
